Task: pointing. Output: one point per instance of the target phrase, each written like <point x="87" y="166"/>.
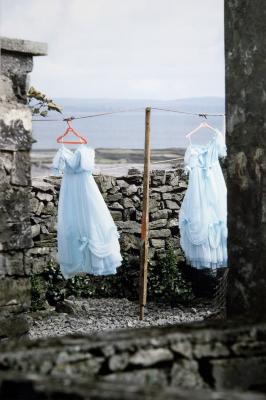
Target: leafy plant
<point x="166" y="282"/>
<point x="38" y="292"/>
<point x="40" y="104"/>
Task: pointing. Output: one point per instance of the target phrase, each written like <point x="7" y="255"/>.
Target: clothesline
<point x="71" y="118"/>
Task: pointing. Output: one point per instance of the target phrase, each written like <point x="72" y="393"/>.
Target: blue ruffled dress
<point x="86" y="233"/>
<point x="203" y="213"/>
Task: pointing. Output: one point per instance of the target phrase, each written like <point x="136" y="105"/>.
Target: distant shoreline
<point x="112" y="161"/>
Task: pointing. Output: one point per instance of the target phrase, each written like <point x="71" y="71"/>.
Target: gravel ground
<point x="85" y="316"/>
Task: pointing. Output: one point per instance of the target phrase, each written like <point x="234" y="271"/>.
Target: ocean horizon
<point x="126" y="129"/>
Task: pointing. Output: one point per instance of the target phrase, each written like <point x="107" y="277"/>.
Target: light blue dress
<point x="203" y="213"/>
<point x="86" y="233"/>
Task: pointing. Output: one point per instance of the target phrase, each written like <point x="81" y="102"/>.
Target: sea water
<point x="126" y="129"/>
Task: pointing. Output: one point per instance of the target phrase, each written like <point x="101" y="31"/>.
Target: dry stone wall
<point x="123" y="196"/>
<point x="15" y="145"/>
<point x="196" y="357"/>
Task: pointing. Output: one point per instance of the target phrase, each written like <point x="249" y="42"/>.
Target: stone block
<point x="49" y="209"/>
<point x="185" y="373"/>
<point x="16" y="236"/>
<point x="104" y="182"/>
<point x="122" y="184"/>
<point x="13" y="326"/>
<point x="128" y="226"/>
<point x="51" y="224"/>
<point x="242" y="372"/>
<point x="114" y="197"/>
<point x="129" y="242"/>
<point x="6" y="161"/>
<point x="44" y="196"/>
<point x="134" y="171"/>
<point x="147" y="358"/>
<point x="34" y="205"/>
<point x="15" y="127"/>
<point x="20" y="47"/>
<point x="21" y="169"/>
<point x="43" y="186"/>
<point x="158" y="178"/>
<point x="160" y="214"/>
<point x="136" y="200"/>
<point x="117" y="215"/>
<point x="173" y="222"/>
<point x="162" y="233"/>
<point x="158" y="243"/>
<point x="6" y="89"/>
<point x="127" y="202"/>
<point x="44" y="229"/>
<point x="37" y="259"/>
<point x="134" y="179"/>
<point x="14" y="202"/>
<point x="172" y="205"/>
<point x="40" y="208"/>
<point x="174" y="181"/>
<point x="118" y="362"/>
<point x="131" y="189"/>
<point x="163" y="189"/>
<point x="15" y="293"/>
<point x="138" y="215"/>
<point x="211" y="350"/>
<point x="151" y="253"/>
<point x="114" y="190"/>
<point x="116" y="206"/>
<point x="159" y="223"/>
<point x="174" y="242"/>
<point x="154" y="205"/>
<point x="35" y="230"/>
<point x="167" y="196"/>
<point x="183" y="348"/>
<point x="12" y="263"/>
<point x="155" y="196"/>
<point x="138" y="377"/>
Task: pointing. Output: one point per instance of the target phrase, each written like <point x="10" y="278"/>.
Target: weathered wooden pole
<point x="145" y="216"/>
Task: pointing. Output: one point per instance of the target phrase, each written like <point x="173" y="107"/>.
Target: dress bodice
<point x="205" y="156"/>
<point x="74" y="162"/>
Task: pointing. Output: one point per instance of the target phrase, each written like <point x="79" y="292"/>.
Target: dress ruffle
<point x="211" y="252"/>
<point x="203" y="213"/>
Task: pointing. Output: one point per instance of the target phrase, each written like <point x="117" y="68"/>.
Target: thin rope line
<point x="91" y="115"/>
<point x="199" y="114"/>
<point x="204" y="115"/>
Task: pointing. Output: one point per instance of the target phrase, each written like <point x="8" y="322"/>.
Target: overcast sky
<point x="160" y="49"/>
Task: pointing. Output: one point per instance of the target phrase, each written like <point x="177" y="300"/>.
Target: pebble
<point x="97" y="315"/>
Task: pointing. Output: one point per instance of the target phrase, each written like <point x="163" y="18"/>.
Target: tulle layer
<point x="211" y="253"/>
<point x="93" y="265"/>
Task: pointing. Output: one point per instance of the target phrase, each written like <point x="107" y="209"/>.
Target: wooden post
<point x="145" y="217"/>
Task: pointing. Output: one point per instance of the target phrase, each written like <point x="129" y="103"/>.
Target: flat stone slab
<point x="24" y="46"/>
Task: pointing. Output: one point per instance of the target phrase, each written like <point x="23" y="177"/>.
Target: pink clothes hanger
<point x="202" y="125"/>
<point x="80" y="140"/>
